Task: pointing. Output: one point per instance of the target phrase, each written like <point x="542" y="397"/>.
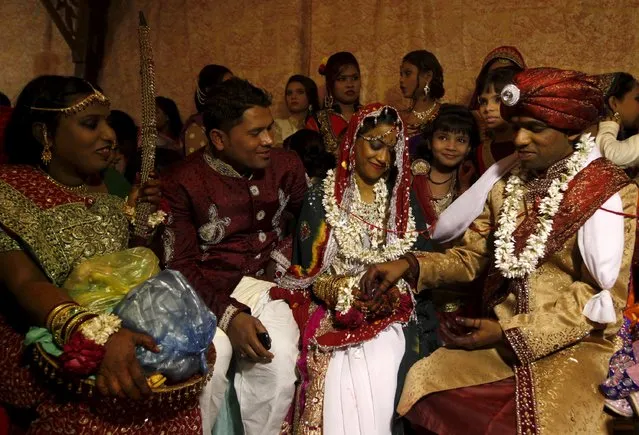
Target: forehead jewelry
<point x="378" y="137"/>
<point x="95" y="97"/>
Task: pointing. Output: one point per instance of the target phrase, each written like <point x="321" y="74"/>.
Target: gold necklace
<point x="81" y="188"/>
<point x="426" y="115"/>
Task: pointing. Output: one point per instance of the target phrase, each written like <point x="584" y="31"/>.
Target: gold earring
<point x="617" y="117"/>
<point x="46" y="152"/>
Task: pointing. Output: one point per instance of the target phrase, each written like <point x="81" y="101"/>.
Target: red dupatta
<point x="345" y="185"/>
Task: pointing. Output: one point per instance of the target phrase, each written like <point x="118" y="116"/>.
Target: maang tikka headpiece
<point x="379" y="136"/>
<point x="95" y="97"/>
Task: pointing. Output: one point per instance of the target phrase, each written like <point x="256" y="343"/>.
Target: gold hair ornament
<point x="380" y="136"/>
<point x="96" y="97"/>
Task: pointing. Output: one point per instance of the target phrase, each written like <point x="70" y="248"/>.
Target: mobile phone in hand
<point x="265" y="339"/>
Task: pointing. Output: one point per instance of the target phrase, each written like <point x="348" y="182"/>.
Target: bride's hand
<point x="381" y="305"/>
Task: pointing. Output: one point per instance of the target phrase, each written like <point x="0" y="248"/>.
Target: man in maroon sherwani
<point x="229" y="206"/>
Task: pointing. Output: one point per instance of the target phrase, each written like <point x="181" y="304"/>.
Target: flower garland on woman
<point x="360" y="214"/>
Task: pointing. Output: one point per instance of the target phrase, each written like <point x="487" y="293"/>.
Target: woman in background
<point x="169" y="125"/>
<point x="169" y="122"/>
<point x="421" y="79"/>
<point x="126" y="132"/>
<point x="498" y="138"/>
<point x="343" y="84"/>
<point x="301" y="101"/>
<point x="622" y="103"/>
<point x="193" y="136"/>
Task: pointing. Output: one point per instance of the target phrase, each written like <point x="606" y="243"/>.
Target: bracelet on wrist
<point x="154" y="219"/>
<point x="100" y="328"/>
<point x="81" y="334"/>
<point x="413" y="265"/>
<point x="61" y="317"/>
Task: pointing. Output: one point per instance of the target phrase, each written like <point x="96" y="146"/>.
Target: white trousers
<point x="264" y="391"/>
<point x="360" y="386"/>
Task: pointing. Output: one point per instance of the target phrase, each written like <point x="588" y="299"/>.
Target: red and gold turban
<point x="570" y="101"/>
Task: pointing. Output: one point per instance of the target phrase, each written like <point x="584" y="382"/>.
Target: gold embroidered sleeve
<point x="560" y="323"/>
<point x="7" y="243"/>
<point x="462" y="263"/>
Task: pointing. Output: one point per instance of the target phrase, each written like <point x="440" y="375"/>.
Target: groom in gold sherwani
<point x="556" y="235"/>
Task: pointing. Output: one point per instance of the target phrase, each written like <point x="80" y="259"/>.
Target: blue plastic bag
<point x="167" y="308"/>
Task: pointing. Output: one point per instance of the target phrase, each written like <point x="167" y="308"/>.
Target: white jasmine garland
<point x="351" y="231"/>
<point x="505" y="260"/>
<point x="156" y="218"/>
<point x="100" y="328"/>
<point x="363" y="222"/>
<point x="345" y="297"/>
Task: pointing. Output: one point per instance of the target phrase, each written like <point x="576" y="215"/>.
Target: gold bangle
<point x="327" y="288"/>
<point x="321" y="286"/>
<point x="58" y="323"/>
<point x="332" y="290"/>
<point x="59" y="318"/>
<point x="74" y="323"/>
<point x="55" y="311"/>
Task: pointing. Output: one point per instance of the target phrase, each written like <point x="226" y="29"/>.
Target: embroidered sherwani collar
<point x="222" y="167"/>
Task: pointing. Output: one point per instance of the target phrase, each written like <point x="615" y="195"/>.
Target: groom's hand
<point x="242" y="333"/>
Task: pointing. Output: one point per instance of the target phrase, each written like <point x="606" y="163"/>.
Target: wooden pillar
<point x="83" y="24"/>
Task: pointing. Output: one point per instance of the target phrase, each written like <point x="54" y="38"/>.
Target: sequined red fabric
<point x="34" y="184"/>
<point x="565" y="100"/>
<point x="21" y="388"/>
<point x="81" y="418"/>
<point x="18" y="384"/>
